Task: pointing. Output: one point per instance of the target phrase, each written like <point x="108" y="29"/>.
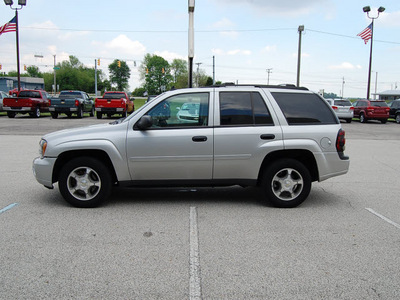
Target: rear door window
<point x="304" y="109"/>
<point x="243" y="108"/>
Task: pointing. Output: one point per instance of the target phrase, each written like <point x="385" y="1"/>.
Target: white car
<point x="189" y="112"/>
<point x="343" y="108"/>
<point x="2" y="96"/>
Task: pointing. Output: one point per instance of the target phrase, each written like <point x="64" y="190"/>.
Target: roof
<point x="34" y="80"/>
<point x="388" y="93"/>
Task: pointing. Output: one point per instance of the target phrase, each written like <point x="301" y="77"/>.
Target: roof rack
<point x="279" y="86"/>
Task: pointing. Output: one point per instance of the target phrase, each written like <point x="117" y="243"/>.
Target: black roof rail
<point x="279" y="86"/>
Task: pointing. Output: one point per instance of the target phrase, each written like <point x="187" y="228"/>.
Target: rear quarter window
<point x="304" y="109"/>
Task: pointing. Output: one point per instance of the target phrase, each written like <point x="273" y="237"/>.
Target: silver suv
<point x="280" y="138"/>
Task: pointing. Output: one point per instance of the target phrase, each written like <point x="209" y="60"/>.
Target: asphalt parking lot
<point x="221" y="243"/>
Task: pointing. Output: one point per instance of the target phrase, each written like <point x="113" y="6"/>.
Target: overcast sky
<point x="246" y="38"/>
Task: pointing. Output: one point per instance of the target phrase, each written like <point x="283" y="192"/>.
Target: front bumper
<point x="43" y="170"/>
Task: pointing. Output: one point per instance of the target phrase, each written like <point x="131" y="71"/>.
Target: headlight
<point x="42" y="147"/>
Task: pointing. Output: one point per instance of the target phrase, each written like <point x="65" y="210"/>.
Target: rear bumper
<point x="63" y="109"/>
<point x="109" y="109"/>
<point x="18" y="109"/>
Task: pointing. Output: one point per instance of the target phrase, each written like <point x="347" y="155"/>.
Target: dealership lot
<point x="222" y="243"/>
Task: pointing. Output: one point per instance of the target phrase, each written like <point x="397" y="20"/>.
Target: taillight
<point x="334" y="107"/>
<point x="352" y="108"/>
<point x="76" y="102"/>
<point x="49" y="102"/>
<point x="340" y="142"/>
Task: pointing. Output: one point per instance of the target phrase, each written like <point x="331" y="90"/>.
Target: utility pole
<point x="198" y="75"/>
<point x="269" y="71"/>
<point x="213" y="70"/>
<point x="343" y="82"/>
<point x="55" y="86"/>
<point x="95" y="77"/>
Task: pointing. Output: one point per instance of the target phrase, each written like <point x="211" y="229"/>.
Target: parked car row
<point x="366" y="110"/>
<point x="34" y="102"/>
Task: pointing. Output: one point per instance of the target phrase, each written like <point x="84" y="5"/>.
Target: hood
<point x="100" y="131"/>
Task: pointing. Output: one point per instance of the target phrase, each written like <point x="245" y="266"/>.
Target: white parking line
<point x="195" y="276"/>
<point x="383" y="217"/>
<point x="8" y="207"/>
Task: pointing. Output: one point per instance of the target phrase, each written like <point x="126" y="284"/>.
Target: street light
<point x="21" y="3"/>
<point x="191" y="41"/>
<point x="367" y="9"/>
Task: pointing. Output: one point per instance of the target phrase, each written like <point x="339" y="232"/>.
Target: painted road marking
<point x="195" y="276"/>
<point x="8" y="207"/>
<point x="383" y="217"/>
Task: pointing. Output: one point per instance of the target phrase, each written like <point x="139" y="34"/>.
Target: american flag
<point x="9" y="27"/>
<point x="366" y="34"/>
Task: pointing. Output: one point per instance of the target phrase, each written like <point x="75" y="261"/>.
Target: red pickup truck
<point x="31" y="102"/>
<point x="114" y="103"/>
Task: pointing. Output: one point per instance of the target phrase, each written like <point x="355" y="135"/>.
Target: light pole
<point x="191" y="41"/>
<point x="21" y="3"/>
<point x="367" y="9"/>
<point x="301" y="29"/>
<point x="269" y="72"/>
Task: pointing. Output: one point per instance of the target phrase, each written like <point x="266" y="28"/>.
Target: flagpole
<point x="17" y="37"/>
<point x="21" y="4"/>
<point x="370" y="60"/>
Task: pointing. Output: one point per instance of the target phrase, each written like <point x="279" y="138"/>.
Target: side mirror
<point x="132" y="99"/>
<point x="144" y="122"/>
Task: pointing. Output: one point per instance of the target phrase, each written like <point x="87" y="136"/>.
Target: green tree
<point x="33" y="71"/>
<point x="74" y="75"/>
<point x="119" y="74"/>
<point x="155" y="71"/>
<point x="139" y="92"/>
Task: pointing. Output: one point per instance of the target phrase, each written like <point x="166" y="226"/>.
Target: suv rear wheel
<point x="286" y="183"/>
<point x="85" y="182"/>
<point x="362" y="118"/>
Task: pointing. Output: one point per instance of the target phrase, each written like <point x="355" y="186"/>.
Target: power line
<point x="202" y="31"/>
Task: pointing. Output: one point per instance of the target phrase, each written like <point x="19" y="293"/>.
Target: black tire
<point x="54" y="115"/>
<point x="85" y="182"/>
<point x="92" y="112"/>
<point x="99" y="115"/>
<point x="362" y="118"/>
<point x="11" y="114"/>
<point x="286" y="183"/>
<point x="79" y="113"/>
<point x="68" y="114"/>
<point x="383" y="121"/>
<point x="125" y="114"/>
<point x="348" y="120"/>
<point x="35" y="113"/>
<point x="397" y="118"/>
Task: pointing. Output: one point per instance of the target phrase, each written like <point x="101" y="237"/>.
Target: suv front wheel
<point x="85" y="182"/>
<point x="286" y="183"/>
